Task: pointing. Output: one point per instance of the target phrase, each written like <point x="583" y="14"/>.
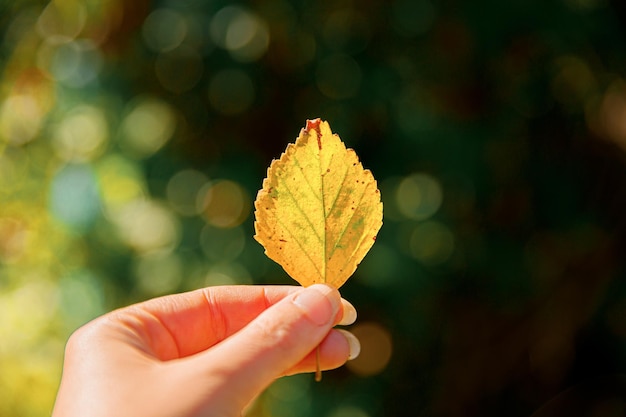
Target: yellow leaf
<point x="319" y="211"/>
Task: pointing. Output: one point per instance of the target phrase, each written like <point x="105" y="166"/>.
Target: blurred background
<point x="134" y="136"/>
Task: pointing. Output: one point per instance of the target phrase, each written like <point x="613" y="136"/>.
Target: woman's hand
<point x="207" y="352"/>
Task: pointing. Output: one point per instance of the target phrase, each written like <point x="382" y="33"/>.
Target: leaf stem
<point x="318" y="371"/>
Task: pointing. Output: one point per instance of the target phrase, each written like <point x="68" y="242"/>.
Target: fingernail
<point x="349" y="313"/>
<point x="353" y="343"/>
<point x="319" y="302"/>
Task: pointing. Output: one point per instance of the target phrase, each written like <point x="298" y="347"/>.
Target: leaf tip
<point x="315" y="125"/>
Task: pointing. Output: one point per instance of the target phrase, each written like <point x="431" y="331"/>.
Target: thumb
<point x="274" y="342"/>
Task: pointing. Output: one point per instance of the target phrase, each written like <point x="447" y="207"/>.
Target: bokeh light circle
<point x="76" y="64"/>
<point x="149" y="123"/>
<point x="182" y="191"/>
<point x="20" y="119"/>
<point x="241" y="32"/>
<point x="147" y="226"/>
<point x="81" y="135"/>
<point x="164" y="29"/>
<point x="224" y="203"/>
<point x="61" y="21"/>
<point x="419" y="196"/>
<point x="74" y="197"/>
<point x="120" y="181"/>
<point x="376" y="349"/>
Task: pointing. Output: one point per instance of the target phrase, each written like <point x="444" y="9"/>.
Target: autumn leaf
<point x="319" y="211"/>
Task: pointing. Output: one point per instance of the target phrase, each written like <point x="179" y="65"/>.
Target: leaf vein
<point x="343" y="232"/>
<point x="358" y="246"/>
<point x="324" y="261"/>
<point x="295" y="238"/>
<point x="297" y="163"/>
<point x="343" y="181"/>
<point x="297" y="205"/>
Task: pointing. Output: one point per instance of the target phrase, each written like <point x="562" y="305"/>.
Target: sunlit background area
<point x="134" y="136"/>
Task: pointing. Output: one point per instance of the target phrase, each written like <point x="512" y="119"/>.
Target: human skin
<point x="207" y="352"/>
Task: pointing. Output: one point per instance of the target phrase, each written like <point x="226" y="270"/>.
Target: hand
<point x="207" y="352"/>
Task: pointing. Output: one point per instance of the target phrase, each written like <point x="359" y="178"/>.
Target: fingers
<point x="338" y="346"/>
<point x="279" y="341"/>
<point x="181" y="325"/>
